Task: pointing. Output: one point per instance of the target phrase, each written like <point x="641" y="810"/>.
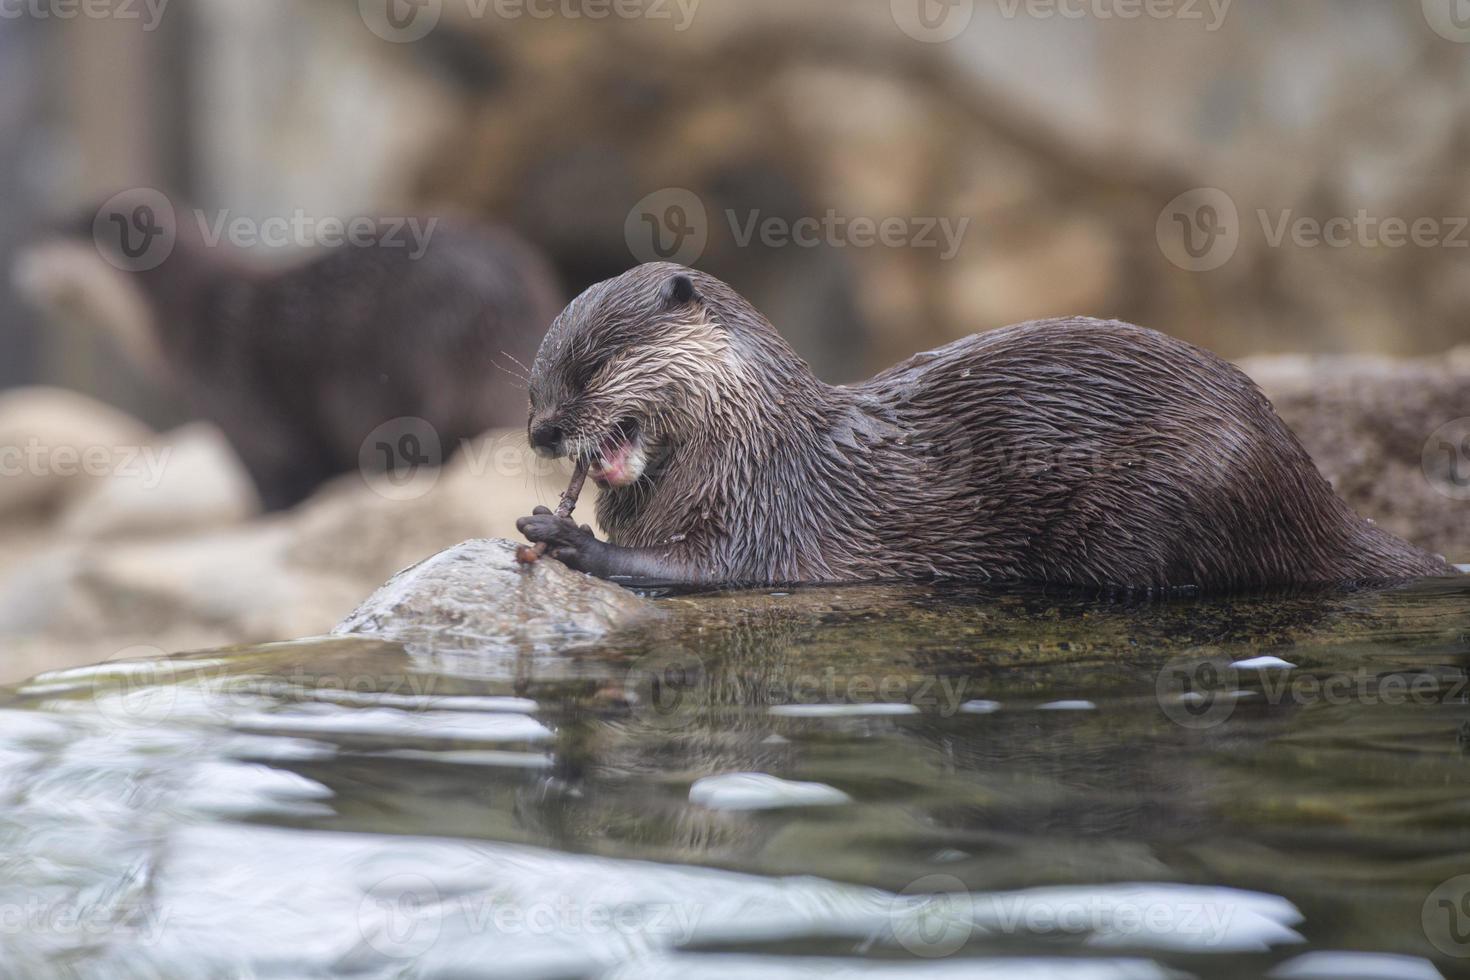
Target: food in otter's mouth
<point x="530" y="554"/>
<point x="621" y="459"/>
<point x="1072" y="451"/>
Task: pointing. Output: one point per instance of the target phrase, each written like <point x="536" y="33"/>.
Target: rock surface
<point x="477" y="591"/>
<point x="1366" y="422"/>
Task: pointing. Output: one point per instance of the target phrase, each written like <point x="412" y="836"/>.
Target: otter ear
<point x="680" y="291"/>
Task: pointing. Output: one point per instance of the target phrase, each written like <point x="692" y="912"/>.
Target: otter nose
<point x="546" y="439"/>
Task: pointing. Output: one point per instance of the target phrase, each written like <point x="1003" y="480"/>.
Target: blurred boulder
<point x="56" y="444"/>
<point x="189" y="479"/>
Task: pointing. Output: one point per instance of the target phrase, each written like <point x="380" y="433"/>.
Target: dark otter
<point x="1076" y="451"/>
<point x="298" y="365"/>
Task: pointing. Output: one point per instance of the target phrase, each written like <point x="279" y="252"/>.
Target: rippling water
<point x="890" y="782"/>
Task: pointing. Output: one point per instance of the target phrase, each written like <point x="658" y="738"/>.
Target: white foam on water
<point x="842" y="710"/>
<point x="473" y="757"/>
<point x="1264" y="663"/>
<point x="330" y="719"/>
<point x="1329" y="965"/>
<point x="427" y="702"/>
<point x="760" y="791"/>
<point x="1067" y="706"/>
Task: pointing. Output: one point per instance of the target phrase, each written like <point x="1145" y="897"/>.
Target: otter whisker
<point x="526" y="376"/>
<point x="522" y="381"/>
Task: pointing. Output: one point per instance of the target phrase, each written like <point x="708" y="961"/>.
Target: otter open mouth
<point x="621" y="458"/>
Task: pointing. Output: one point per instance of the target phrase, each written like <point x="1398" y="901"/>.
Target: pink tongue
<point x="612" y="468"/>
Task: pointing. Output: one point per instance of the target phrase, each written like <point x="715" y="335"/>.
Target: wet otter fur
<point x="1077" y="451"/>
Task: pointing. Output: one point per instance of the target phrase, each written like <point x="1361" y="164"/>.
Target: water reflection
<point x="892" y="781"/>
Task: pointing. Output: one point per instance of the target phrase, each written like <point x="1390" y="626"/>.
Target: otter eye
<point x="586" y="372"/>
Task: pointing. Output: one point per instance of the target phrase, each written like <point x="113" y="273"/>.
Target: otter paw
<point x="565" y="540"/>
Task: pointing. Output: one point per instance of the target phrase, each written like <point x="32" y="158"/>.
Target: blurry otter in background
<point x="299" y="365"/>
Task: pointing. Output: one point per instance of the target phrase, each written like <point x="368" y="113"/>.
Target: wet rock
<point x="1366" y="421"/>
<point x="477" y="591"/>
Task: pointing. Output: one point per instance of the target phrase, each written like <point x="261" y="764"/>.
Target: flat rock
<point x="477" y="591"/>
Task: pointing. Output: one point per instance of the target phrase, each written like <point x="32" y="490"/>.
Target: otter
<point x="299" y="364"/>
<point x="1083" y="452"/>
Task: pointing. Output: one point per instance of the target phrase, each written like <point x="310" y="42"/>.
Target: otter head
<point x="638" y="365"/>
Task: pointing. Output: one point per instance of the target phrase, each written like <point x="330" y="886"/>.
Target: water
<point x="877" y="781"/>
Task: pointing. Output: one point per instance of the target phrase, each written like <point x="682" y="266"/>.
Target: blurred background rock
<point x="1064" y="132"/>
